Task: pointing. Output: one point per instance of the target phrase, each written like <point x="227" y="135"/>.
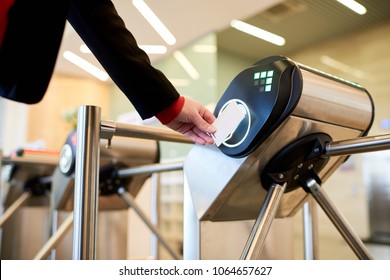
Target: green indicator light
<point x="257" y="75"/>
<point x="267" y="88"/>
<point x="268" y="81"/>
<point x="263" y="74"/>
<point x="270" y="73"/>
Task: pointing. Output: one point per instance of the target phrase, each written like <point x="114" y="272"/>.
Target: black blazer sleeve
<point x="32" y="37"/>
<point x="102" y="29"/>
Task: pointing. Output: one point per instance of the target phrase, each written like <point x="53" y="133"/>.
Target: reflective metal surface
<point x="235" y="192"/>
<point x="338" y="220"/>
<point x="86" y="183"/>
<point x="224" y="188"/>
<point x="123" y="152"/>
<point x="24" y="220"/>
<point x="255" y="243"/>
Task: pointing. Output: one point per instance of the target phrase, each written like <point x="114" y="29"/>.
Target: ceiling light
<point x="345" y="67"/>
<point x="354" y="6"/>
<point x="154" y="49"/>
<point x="86" y="66"/>
<point x="184" y="62"/>
<point x="154" y="21"/>
<point x="258" y="32"/>
<point x="85" y="49"/>
<point x="180" y="82"/>
<point x="149" y="49"/>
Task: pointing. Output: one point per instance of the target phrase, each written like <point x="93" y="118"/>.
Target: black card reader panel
<point x="267" y="92"/>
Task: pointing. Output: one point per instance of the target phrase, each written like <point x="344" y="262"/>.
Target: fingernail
<point x="211" y="129"/>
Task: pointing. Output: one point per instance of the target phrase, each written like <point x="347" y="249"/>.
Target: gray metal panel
<point x="224" y="188"/>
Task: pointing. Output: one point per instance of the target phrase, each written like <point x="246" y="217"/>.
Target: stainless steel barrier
<point x="300" y="125"/>
<point x="90" y="130"/>
<point x="25" y="196"/>
<point x="291" y="140"/>
<point x="121" y="170"/>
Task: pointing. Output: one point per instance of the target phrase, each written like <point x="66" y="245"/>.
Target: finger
<point x="205" y="136"/>
<point x="204" y="125"/>
<point x="208" y="116"/>
<point x="194" y="137"/>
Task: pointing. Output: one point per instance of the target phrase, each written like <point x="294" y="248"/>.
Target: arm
<point x="103" y="30"/>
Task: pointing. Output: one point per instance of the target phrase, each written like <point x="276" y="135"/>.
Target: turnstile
<point x="278" y="156"/>
<point x="300" y="125"/>
<point x="38" y="196"/>
<point x="119" y="184"/>
<point x="25" y="196"/>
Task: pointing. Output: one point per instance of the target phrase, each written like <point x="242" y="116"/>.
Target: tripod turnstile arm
<point x="358" y="145"/>
<point x="338" y="220"/>
<point x="15" y="206"/>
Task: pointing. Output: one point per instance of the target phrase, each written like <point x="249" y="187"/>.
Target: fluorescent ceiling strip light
<point x="354" y="6"/>
<point x="258" y="32"/>
<point x="183" y="61"/>
<point x="85" y="49"/>
<point x="149" y="49"/>
<point x="344" y="67"/>
<point x="154" y="21"/>
<point x="154" y="49"/>
<point x="86" y="66"/>
<point x="180" y="82"/>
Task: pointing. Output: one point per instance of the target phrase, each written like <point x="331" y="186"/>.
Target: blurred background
<point x="205" y="48"/>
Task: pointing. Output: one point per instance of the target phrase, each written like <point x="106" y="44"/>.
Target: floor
<point x="334" y="247"/>
<point x="379" y="251"/>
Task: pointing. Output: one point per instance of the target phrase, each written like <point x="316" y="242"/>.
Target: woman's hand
<point x="195" y="122"/>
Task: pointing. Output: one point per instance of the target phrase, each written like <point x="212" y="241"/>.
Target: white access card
<point x="227" y="121"/>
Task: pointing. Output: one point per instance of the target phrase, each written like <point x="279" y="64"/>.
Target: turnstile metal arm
<point x="53" y="241"/>
<point x="14" y="206"/>
<point x="358" y="145"/>
<point x="255" y="242"/>
<point x="90" y="129"/>
<point x="109" y="129"/>
<point x="132" y="203"/>
<point x="338" y="220"/>
<point x="150" y="168"/>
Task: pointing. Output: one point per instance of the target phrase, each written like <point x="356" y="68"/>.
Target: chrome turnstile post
<point x="90" y="130"/>
<point x="310" y="230"/>
<point x="255" y="243"/>
<point x="86" y="183"/>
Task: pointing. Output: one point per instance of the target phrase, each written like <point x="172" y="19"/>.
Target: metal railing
<point x="90" y="130"/>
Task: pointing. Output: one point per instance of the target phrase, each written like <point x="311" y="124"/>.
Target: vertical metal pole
<point x="191" y="226"/>
<point x="53" y="230"/>
<point x="86" y="187"/>
<point x="1" y="196"/>
<point x="310" y="232"/>
<point x="154" y="213"/>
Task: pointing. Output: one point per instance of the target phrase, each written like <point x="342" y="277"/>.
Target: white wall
<point x="13" y="125"/>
